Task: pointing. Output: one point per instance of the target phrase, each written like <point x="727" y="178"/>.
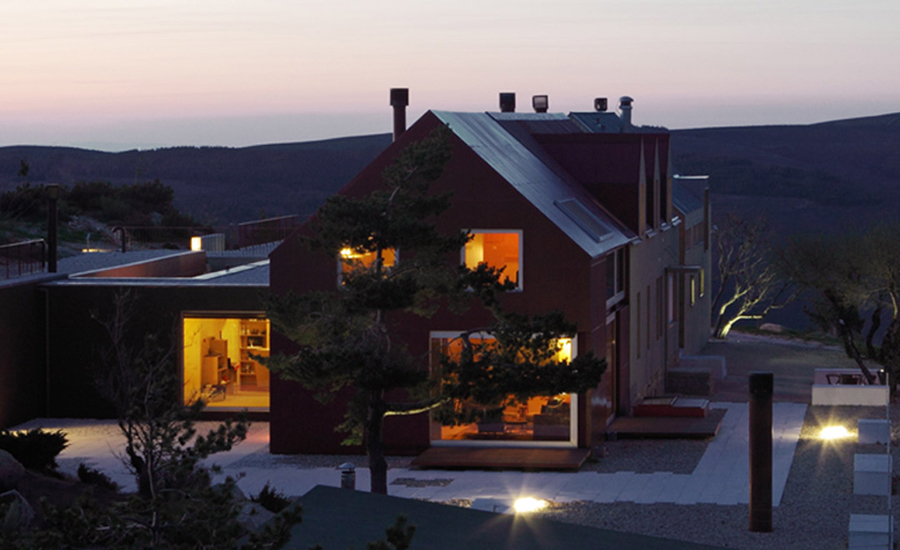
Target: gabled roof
<point x="494" y="138"/>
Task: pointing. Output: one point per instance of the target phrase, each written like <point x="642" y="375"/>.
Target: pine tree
<point x="395" y="260"/>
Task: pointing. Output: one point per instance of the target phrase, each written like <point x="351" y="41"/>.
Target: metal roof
<point x="603" y="122"/>
<point x="685" y="197"/>
<point x="540" y="184"/>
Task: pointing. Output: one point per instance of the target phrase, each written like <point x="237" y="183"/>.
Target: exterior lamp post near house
<point x="52" y="225"/>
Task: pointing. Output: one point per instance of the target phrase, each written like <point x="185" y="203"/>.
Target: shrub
<point x="271" y="499"/>
<point x="35" y="449"/>
<point x="92" y="476"/>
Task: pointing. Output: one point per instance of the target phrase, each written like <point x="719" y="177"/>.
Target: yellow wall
<point x="197" y="333"/>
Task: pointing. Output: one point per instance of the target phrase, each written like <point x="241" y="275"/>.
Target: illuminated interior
<point x="542" y="418"/>
<point x="500" y="250"/>
<point x="351" y="259"/>
<point x="221" y="362"/>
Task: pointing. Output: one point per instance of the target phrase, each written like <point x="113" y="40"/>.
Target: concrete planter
<point x="827" y="389"/>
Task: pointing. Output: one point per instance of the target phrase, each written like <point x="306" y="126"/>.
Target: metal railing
<point x="23" y="258"/>
<point x="265" y="231"/>
<point x="156" y="237"/>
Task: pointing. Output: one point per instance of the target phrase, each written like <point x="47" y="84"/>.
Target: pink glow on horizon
<point x="73" y="69"/>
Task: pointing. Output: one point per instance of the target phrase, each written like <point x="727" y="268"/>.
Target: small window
<point x="670" y="292"/>
<point x="615" y="277"/>
<point x="693" y="290"/>
<point x="498" y="249"/>
<point x="637" y="311"/>
<point x="660" y="304"/>
<point x="702" y="282"/>
<point x="649" y="322"/>
<point x="352" y="260"/>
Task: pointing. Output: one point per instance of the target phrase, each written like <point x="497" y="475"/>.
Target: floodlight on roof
<point x="540" y="103"/>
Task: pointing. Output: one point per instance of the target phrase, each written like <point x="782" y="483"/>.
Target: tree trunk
<point x="853" y="352"/>
<point x="375" y="442"/>
<point x="875" y="324"/>
<point x="890" y="353"/>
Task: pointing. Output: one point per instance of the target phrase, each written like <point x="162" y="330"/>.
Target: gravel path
<point x="814" y="513"/>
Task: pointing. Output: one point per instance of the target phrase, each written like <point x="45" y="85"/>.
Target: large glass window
<point x="544" y="418"/>
<point x="499" y="249"/>
<point x="221" y="362"/>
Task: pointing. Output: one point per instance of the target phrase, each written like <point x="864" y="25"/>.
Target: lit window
<point x="222" y="361"/>
<point x="702" y="282"/>
<point x="540" y="418"/>
<point x="693" y="290"/>
<point x="352" y="260"/>
<point x="501" y="250"/>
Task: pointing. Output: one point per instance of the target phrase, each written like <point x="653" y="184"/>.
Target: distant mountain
<point x="813" y="177"/>
<point x="816" y="177"/>
<point x="218" y="185"/>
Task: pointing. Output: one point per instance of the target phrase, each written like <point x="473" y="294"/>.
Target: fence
<point x="23" y="258"/>
<point x="265" y="231"/>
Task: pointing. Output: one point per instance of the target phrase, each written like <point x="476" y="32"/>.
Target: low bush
<point x="271" y="499"/>
<point x="92" y="476"/>
<point x="35" y="449"/>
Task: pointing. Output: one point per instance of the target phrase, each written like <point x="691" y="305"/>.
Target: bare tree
<point x="750" y="286"/>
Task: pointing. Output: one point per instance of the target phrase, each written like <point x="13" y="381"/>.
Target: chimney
<point x="625" y="110"/>
<point x="540" y="103"/>
<point x="600" y="104"/>
<point x="399" y="101"/>
<point x="507" y="102"/>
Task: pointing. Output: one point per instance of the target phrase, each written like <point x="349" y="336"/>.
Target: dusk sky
<point x="120" y="74"/>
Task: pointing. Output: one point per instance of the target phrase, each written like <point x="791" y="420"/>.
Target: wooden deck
<point x="668" y="426"/>
<point x="501" y="458"/>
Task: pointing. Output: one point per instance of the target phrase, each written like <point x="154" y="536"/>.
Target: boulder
<point x="11" y="471"/>
<point x="253" y="516"/>
<point x="19" y="514"/>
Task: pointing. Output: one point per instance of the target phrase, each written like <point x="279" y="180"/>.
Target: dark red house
<point x="567" y="204"/>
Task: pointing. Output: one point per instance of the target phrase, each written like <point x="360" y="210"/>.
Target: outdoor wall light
<point x="834" y="432"/>
<point x="196" y="243"/>
<point x="529" y="504"/>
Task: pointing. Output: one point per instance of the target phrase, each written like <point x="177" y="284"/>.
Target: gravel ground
<point x="262" y="458"/>
<point x="814" y="513"/>
<point x="645" y="456"/>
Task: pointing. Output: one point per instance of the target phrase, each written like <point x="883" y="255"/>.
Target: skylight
<point x="589" y="223"/>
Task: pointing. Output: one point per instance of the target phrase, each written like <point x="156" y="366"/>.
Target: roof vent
<point x="399" y="101"/>
<point x="507" y="102"/>
<point x="600" y="104"/>
<point x="540" y="103"/>
<point x="625" y="109"/>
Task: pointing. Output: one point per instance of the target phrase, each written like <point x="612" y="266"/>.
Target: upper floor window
<point x="615" y="277"/>
<point x="497" y="249"/>
<point x="352" y="260"/>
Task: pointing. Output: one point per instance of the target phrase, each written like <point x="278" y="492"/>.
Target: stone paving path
<point x="721" y="476"/>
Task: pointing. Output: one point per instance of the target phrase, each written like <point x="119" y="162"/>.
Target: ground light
<point x="529" y="504"/>
<point x="834" y="432"/>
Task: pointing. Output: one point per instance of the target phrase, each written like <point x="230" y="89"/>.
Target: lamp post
<point x="761" y="385"/>
<point x="52" y="225"/>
